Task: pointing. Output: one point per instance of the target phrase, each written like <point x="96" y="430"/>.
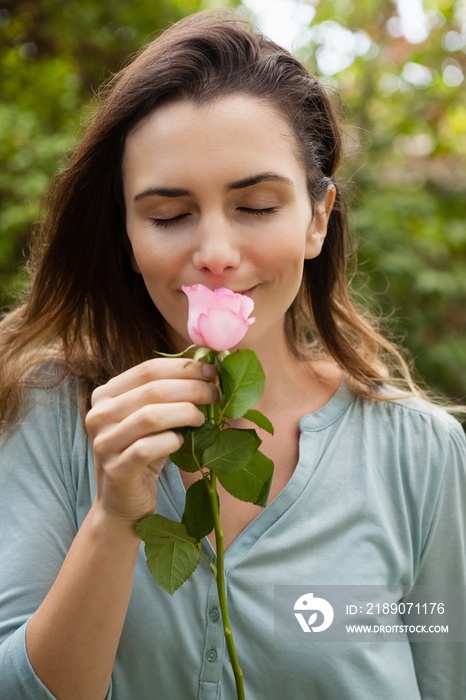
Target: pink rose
<point x="218" y="319"/>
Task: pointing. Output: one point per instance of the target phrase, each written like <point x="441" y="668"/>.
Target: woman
<point x="211" y="160"/>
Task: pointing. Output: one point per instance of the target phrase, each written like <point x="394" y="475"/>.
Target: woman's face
<point x="215" y="195"/>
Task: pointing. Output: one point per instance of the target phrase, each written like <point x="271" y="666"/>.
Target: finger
<point x="149" y="420"/>
<point x="151" y="370"/>
<point x="163" y="391"/>
<point x="146" y="453"/>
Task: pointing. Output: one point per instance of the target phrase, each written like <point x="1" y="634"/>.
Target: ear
<point x="318" y="229"/>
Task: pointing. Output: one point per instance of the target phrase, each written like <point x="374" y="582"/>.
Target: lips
<point x="247" y="292"/>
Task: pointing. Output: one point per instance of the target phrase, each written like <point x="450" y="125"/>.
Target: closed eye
<point x="166" y="223"/>
<point x="258" y="212"/>
<point x="172" y="221"/>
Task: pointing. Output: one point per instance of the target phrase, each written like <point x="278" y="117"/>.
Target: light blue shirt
<point x="378" y="497"/>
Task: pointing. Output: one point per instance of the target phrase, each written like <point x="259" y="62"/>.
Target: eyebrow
<point x="173" y="192"/>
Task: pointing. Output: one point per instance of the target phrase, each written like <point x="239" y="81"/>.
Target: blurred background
<point x="399" y="67"/>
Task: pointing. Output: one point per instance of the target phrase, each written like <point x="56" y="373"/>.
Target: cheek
<point x="285" y="254"/>
<point x="149" y="257"/>
<point x="147" y="264"/>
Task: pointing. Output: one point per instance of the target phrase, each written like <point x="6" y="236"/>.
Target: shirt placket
<point x="214" y="648"/>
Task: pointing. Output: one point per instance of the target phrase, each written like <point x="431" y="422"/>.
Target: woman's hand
<point x="132" y="425"/>
<point x="73" y="636"/>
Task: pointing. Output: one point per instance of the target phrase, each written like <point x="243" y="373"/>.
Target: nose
<point x="217" y="248"/>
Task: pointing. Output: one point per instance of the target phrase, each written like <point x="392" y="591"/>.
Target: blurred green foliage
<point x="406" y="167"/>
<point x="53" y="57"/>
<point x="405" y="129"/>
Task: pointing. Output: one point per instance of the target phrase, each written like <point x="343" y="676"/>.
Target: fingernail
<point x="216" y="393"/>
<point x="209" y="371"/>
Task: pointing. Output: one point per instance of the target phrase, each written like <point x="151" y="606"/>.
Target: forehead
<point x="237" y="122"/>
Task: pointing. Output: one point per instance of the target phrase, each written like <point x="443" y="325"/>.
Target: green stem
<point x="211" y="413"/>
<point x="221" y="588"/>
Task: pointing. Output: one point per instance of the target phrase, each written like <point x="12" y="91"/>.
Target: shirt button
<point x="212" y="655"/>
<point x="214" y="614"/>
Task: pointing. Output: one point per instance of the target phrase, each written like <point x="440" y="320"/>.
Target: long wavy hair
<point x="87" y="310"/>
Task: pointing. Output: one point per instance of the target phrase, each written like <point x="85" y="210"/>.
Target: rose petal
<point x="203" y="302"/>
<point x="247" y="305"/>
<point x="199" y="298"/>
<point x="239" y="303"/>
<point x="222" y="329"/>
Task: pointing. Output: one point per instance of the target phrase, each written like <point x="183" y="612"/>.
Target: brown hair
<point x="86" y="307"/>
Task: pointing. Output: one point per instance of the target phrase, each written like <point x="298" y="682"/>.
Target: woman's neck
<point x="291" y="381"/>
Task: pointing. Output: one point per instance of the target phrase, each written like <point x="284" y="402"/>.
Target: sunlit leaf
<point x="242" y="380"/>
<point x="259" y="419"/>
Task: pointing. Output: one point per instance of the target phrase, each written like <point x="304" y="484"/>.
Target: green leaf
<point x="259" y="419"/>
<point x="155" y="528"/>
<point x="197" y="516"/>
<point x="242" y="379"/>
<point x="204" y="436"/>
<point x="264" y="494"/>
<point x="171" y="563"/>
<point x="185" y="457"/>
<point x="231" y="451"/>
<point x="252" y="483"/>
<point x="171" y="552"/>
<point x="195" y="442"/>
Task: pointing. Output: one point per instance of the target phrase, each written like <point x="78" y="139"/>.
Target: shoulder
<point x="415" y="454"/>
<point x="414" y="425"/>
<point x="418" y="409"/>
<point x="51" y="411"/>
<point x="46" y="455"/>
